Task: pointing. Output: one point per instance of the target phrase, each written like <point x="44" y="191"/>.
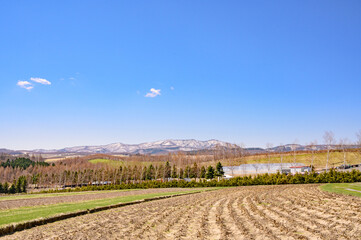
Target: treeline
<point x="18" y="186"/>
<point x="166" y="171"/>
<point x="22" y="163"/>
<point x="51" y="177"/>
<point x="264" y="179"/>
<point x="80" y="172"/>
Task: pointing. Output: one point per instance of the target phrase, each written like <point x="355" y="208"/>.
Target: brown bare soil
<point x="16" y="203"/>
<point x="256" y="212"/>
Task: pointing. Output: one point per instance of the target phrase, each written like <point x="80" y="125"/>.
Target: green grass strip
<point x="42" y="195"/>
<point x="107" y="161"/>
<point x="353" y="189"/>
<point x="30" y="213"/>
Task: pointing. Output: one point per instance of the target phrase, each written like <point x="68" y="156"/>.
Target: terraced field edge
<point x="9" y="229"/>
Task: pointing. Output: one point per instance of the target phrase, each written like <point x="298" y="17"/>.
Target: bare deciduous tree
<point x="343" y="145"/>
<point x="329" y="139"/>
<point x="358" y="141"/>
<point x="312" y="146"/>
<point x="256" y="167"/>
<point x="281" y="155"/>
<point x="269" y="146"/>
<point x="234" y="149"/>
<point x="242" y="152"/>
<point x="293" y="148"/>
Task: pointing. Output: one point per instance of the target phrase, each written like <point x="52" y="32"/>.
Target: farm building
<point x="289" y="168"/>
<point x="101" y="183"/>
<point x="297" y="169"/>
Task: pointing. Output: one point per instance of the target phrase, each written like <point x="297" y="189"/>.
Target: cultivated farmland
<point x="11" y="202"/>
<point x="24" y="208"/>
<point x="255" y="212"/>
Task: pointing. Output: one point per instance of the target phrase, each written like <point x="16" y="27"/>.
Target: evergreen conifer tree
<point x="24" y="185"/>
<point x="210" y="173"/>
<point x="174" y="172"/>
<point x="12" y="189"/>
<point x="187" y="172"/>
<point x="167" y="170"/>
<point x="203" y="172"/>
<point x="6" y="187"/>
<point x="194" y="171"/>
<point x="18" y="185"/>
<point x="219" y="170"/>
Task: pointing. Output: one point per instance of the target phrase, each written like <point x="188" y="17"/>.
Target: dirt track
<point x="259" y="212"/>
<point x="16" y="203"/>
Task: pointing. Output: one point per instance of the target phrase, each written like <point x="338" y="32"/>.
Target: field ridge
<point x="11" y="228"/>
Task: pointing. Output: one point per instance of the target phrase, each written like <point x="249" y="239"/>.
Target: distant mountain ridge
<point x="143" y="148"/>
<point x="166" y="146"/>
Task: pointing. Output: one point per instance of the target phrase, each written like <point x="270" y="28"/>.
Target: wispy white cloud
<point x="25" y="84"/>
<point x="153" y="93"/>
<point x="29" y="85"/>
<point x="172" y="88"/>
<point x="40" y="80"/>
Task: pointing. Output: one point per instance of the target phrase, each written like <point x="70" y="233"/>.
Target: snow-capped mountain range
<point x="166" y="146"/>
<point x="143" y="148"/>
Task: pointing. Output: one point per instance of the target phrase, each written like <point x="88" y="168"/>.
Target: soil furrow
<point x="254" y="212"/>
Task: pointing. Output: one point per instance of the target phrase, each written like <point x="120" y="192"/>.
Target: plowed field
<point x="48" y="199"/>
<point x="256" y="212"/>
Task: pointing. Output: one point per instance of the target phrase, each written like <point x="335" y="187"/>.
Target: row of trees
<point x="51" y="177"/>
<point x="193" y="171"/>
<point x="344" y="143"/>
<point x="18" y="186"/>
<point x="180" y="165"/>
<point x="22" y="163"/>
<point x="331" y="176"/>
<point x="80" y="171"/>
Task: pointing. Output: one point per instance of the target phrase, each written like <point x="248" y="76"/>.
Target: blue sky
<point x="239" y="71"/>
